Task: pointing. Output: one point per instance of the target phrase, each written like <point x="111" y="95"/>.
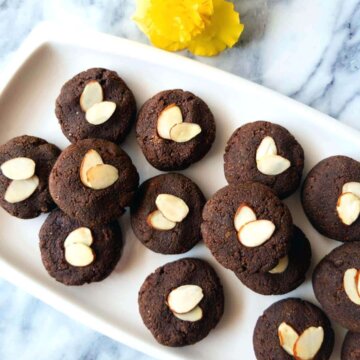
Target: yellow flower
<point x="223" y="31"/>
<point x="206" y="27"/>
<point x="171" y="24"/>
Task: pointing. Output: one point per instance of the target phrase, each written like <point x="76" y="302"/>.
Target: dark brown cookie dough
<point x="298" y="314"/>
<point x="240" y="157"/>
<point x="320" y="193"/>
<point x="351" y="347"/>
<point x="107" y="245"/>
<point x="72" y="118"/>
<point x="328" y="283"/>
<point x="186" y="233"/>
<point x="299" y="259"/>
<point x="44" y="155"/>
<point x="220" y="235"/>
<point x="89" y="206"/>
<point x="166" y="328"/>
<point x="169" y="155"/>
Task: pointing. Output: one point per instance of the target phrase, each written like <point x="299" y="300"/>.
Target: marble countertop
<point x="306" y="49"/>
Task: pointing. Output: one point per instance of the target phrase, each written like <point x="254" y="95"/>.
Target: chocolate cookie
<point x="25" y="165"/>
<point x="174" y="129"/>
<point x="236" y="240"/>
<point x="93" y="180"/>
<point x="313" y="337"/>
<point x="351" y="347"/>
<point x="277" y="163"/>
<point x="335" y="282"/>
<point x="330" y="213"/>
<point x="189" y="286"/>
<point x="288" y="274"/>
<point x="100" y="85"/>
<point x="161" y="234"/>
<point x="78" y="260"/>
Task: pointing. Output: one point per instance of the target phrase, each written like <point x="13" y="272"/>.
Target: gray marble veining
<point x="307" y="49"/>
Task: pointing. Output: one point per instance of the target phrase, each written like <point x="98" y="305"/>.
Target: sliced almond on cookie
<point x="351" y="285"/>
<point x="100" y="112"/>
<point x="266" y="147"/>
<point x="195" y="314"/>
<point x="102" y="176"/>
<point x="273" y="165"/>
<point x="168" y="118"/>
<point x="79" y="255"/>
<point x="159" y="222"/>
<point x="81" y="235"/>
<point x="352" y="187"/>
<point x="256" y="233"/>
<point x="184" y="298"/>
<point x="172" y="207"/>
<point x="309" y="343"/>
<point x="184" y="132"/>
<point x="91" y="159"/>
<point x="287" y="337"/>
<point x="243" y="215"/>
<point x="20" y="168"/>
<point x="20" y="190"/>
<point x="348" y="208"/>
<point x="91" y="95"/>
<point x="281" y="266"/>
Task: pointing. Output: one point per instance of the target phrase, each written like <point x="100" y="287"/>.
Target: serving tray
<point x="50" y="56"/>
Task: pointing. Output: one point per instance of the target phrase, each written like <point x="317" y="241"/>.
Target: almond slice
<point x="184" y="298"/>
<point x="281" y="266"/>
<point x="266" y="147"/>
<point x="100" y="112"/>
<point x="351" y="285"/>
<point x="309" y="343"/>
<point x="195" y="314"/>
<point x="352" y="187"/>
<point x="287" y="337"/>
<point x="348" y="208"/>
<point x="102" y="176"/>
<point x="256" y="233"/>
<point x="20" y="190"/>
<point x="273" y="165"/>
<point x="172" y="207"/>
<point x="79" y="255"/>
<point x="91" y="95"/>
<point x="243" y="215"/>
<point x="159" y="222"/>
<point x="184" y="132"/>
<point x="168" y="118"/>
<point x="81" y="235"/>
<point x="20" y="168"/>
<point x="91" y="159"/>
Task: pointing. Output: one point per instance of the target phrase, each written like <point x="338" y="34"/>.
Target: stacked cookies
<point x="246" y="225"/>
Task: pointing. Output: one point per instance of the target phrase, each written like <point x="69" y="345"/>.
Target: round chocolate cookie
<point x="222" y="238"/>
<point x="19" y="200"/>
<point x="351" y="347"/>
<point x="321" y="194"/>
<point x="243" y="161"/>
<point x="72" y="116"/>
<point x="333" y="283"/>
<point x="106" y="248"/>
<point x="169" y="286"/>
<point x="93" y="204"/>
<point x="288" y="275"/>
<point x="163" y="146"/>
<point x="280" y="320"/>
<point x="178" y="237"/>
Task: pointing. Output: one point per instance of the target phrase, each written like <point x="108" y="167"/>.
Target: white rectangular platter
<point x="48" y="58"/>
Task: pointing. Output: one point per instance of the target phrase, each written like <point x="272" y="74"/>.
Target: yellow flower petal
<point x="171" y="24"/>
<point x="223" y="31"/>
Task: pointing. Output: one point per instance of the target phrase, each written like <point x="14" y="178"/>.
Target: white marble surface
<point x="307" y="49"/>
